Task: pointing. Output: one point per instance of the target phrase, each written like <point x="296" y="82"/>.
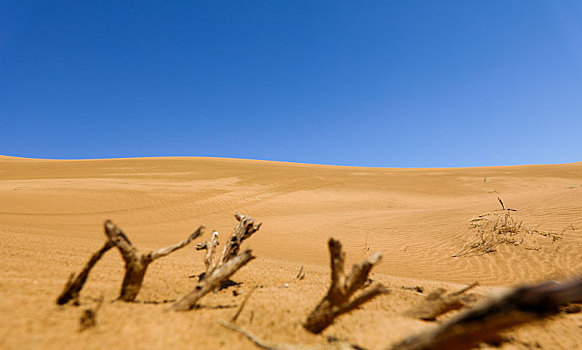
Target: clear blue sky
<point x="371" y="83"/>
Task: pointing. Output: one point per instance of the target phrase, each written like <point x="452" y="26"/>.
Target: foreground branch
<point x="76" y="283"/>
<point x="136" y="264"/>
<point x="212" y="281"/>
<point x="337" y="302"/>
<point x="484" y="322"/>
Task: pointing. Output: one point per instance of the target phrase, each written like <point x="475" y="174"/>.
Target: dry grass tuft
<point x="495" y="229"/>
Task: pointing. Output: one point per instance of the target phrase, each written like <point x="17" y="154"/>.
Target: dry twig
<point x="301" y="274"/>
<point x="76" y="283"/>
<point x="242" y="305"/>
<point x="337" y="301"/>
<point x="256" y="340"/>
<point x="335" y="344"/>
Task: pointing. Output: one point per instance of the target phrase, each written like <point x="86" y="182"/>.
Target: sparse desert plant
<point x="501" y="228"/>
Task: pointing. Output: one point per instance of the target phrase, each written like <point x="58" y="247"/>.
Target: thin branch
<point x="242" y="305"/>
<point x="75" y="284"/>
<point x="159" y="253"/>
<point x="256" y="340"/>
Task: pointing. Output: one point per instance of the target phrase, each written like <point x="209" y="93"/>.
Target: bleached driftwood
<point x="438" y="303"/>
<point x="337" y="301"/>
<point x="76" y="283"/>
<point x="484" y="322"/>
<point x="212" y="281"/>
<point x="136" y="264"/>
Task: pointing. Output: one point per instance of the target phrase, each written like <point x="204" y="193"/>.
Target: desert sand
<point x="52" y="214"/>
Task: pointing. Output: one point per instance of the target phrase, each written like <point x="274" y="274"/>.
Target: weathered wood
<point x="217" y="273"/>
<point x="438" y="303"/>
<point x="212" y="281"/>
<point x="484" y="322"/>
<point x="337" y="301"/>
<point x="76" y="283"/>
<point x="244" y="229"/>
<point x="210" y="247"/>
<point x="136" y="264"/>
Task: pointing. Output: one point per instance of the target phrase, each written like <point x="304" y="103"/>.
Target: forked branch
<point x="244" y="229"/>
<point x="337" y="301"/>
<point x="229" y="262"/>
<point x="136" y="264"/>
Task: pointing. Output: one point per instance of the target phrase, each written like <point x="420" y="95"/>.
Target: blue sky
<point x="374" y="83"/>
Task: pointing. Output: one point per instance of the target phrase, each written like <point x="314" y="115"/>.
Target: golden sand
<point x="51" y="221"/>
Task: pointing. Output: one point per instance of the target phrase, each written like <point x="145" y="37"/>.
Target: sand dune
<point x="51" y="217"/>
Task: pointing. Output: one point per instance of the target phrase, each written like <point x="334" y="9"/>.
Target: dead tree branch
<point x="76" y="283"/>
<point x="244" y="229"/>
<point x="212" y="281"/>
<point x="210" y="247"/>
<point x="484" y="322"/>
<point x="230" y="261"/>
<point x="136" y="264"/>
<point x="438" y="303"/>
<point x="337" y="301"/>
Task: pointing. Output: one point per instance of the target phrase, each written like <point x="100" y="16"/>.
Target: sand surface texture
<point x="52" y="214"/>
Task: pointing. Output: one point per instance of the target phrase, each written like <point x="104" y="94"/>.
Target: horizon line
<point x="278" y="161"/>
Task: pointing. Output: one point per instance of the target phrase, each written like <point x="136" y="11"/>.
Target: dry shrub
<point x="495" y="229"/>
